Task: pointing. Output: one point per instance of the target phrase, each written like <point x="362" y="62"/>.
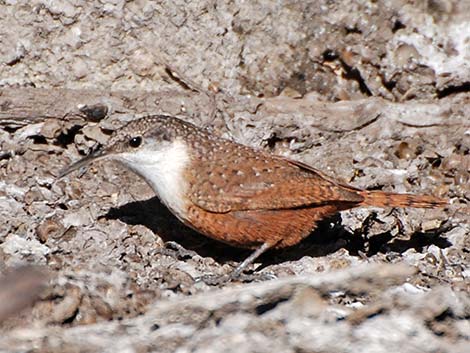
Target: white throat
<point x="162" y="168"/>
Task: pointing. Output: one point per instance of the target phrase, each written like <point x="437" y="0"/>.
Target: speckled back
<point x="225" y="176"/>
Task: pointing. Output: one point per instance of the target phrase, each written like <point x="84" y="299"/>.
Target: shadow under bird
<point x="234" y="193"/>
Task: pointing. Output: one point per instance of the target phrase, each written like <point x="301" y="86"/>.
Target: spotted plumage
<point x="231" y="192"/>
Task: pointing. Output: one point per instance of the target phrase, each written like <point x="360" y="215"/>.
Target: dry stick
<point x="19" y="106"/>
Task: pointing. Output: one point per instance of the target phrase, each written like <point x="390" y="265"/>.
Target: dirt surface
<point x="376" y="94"/>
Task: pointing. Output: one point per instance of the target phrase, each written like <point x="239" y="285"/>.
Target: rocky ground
<point x="376" y="94"/>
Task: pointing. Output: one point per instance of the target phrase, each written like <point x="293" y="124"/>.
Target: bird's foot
<point x="218" y="280"/>
<point x="175" y="250"/>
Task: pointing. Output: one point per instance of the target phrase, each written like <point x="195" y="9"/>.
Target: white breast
<point x="162" y="167"/>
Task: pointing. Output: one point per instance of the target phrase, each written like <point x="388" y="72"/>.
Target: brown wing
<point x="253" y="180"/>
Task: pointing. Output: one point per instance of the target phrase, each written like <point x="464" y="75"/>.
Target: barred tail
<point x="385" y="199"/>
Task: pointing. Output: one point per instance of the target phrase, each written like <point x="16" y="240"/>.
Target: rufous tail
<point x="386" y="199"/>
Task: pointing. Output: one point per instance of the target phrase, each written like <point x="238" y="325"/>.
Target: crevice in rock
<point x="264" y="308"/>
<point x="67" y="137"/>
<point x="352" y="73"/>
<point x="464" y="87"/>
<point x="397" y="25"/>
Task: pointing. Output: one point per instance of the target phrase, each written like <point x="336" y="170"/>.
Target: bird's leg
<point x="216" y="280"/>
<point x="238" y="271"/>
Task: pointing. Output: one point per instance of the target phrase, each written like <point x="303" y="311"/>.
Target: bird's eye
<point x="135" y="141"/>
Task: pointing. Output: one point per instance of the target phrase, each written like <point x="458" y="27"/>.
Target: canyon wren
<point x="234" y="193"/>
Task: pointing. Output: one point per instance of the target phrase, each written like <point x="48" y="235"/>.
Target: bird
<point x="233" y="193"/>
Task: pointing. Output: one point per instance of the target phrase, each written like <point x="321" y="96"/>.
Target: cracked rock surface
<point x="374" y="93"/>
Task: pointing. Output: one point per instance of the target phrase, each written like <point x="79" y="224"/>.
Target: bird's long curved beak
<point x="94" y="156"/>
